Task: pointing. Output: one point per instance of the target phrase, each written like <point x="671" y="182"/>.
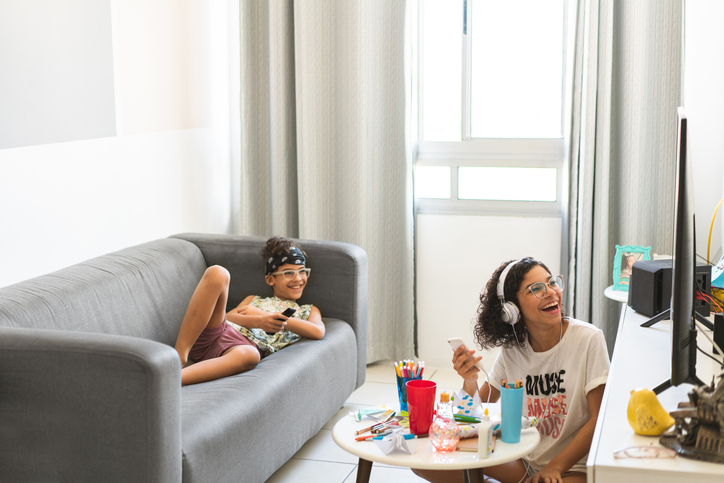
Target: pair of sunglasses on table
<point x="644" y="452"/>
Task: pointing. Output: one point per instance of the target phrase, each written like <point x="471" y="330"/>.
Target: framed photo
<point x="623" y="262"/>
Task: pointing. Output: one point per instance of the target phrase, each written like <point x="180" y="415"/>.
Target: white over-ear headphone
<point x="510" y="313"/>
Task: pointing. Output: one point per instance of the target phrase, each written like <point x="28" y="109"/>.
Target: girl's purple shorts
<point x="214" y="342"/>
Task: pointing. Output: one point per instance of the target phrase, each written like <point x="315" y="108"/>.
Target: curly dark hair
<point x="490" y="331"/>
<point x="278" y="245"/>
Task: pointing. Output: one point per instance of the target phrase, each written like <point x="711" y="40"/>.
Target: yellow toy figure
<point x="645" y="414"/>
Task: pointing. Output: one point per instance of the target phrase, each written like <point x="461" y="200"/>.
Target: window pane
<point x="432" y="182"/>
<point x="517" y="69"/>
<point x="507" y="184"/>
<point x="440" y="70"/>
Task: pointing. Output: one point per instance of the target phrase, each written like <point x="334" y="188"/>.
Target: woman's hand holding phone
<point x="465" y="363"/>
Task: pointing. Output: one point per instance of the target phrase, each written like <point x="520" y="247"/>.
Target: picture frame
<point x="626" y="256"/>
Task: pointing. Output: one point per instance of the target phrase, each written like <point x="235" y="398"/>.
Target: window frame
<point x="492" y="152"/>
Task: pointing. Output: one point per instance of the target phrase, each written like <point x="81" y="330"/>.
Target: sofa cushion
<point x="292" y="393"/>
<point x="142" y="291"/>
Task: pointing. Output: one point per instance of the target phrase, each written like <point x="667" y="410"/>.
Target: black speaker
<point x="649" y="291"/>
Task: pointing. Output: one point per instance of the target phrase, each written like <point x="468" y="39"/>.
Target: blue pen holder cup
<point x="511" y="409"/>
<point x="402" y="390"/>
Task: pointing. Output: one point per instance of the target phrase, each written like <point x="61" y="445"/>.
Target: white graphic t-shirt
<point x="556" y="384"/>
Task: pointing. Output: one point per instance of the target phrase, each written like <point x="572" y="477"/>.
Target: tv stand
<point x="667" y="384"/>
<point x="666" y="314"/>
<point x="641" y="358"/>
<point x="691" y="378"/>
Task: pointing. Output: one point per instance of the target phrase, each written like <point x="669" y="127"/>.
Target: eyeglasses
<point x="292" y="274"/>
<point x="645" y="452"/>
<point x="540" y="289"/>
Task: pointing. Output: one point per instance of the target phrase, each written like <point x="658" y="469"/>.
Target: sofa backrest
<point x="338" y="285"/>
<point x="142" y="291"/>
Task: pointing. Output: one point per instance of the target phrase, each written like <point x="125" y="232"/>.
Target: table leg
<point x="364" y="468"/>
<point x="474" y="475"/>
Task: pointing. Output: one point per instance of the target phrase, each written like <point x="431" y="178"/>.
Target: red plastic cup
<point x="420" y="403"/>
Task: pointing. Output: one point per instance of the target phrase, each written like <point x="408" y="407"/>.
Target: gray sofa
<point x="90" y="385"/>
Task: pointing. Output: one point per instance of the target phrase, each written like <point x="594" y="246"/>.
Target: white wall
<point x="53" y="62"/>
<point x="455" y="257"/>
<point x="167" y="169"/>
<point x="704" y="103"/>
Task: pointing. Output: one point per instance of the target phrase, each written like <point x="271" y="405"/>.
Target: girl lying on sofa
<point x="222" y="344"/>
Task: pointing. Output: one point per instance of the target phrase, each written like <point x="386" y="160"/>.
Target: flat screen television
<point x="683" y="290"/>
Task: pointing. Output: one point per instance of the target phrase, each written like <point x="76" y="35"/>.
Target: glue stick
<point x="485" y="436"/>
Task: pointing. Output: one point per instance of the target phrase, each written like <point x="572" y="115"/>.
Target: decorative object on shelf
<point x="699" y="429"/>
<point x="645" y="414"/>
<point x="626" y="256"/>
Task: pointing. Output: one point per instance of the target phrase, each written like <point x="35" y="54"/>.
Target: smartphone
<point x="289" y="312"/>
<point x="456" y="342"/>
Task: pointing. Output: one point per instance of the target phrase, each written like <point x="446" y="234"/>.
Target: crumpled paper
<point x="397" y="442"/>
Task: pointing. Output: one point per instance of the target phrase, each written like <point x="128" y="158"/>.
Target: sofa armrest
<point x="337" y="285"/>
<point x="78" y="406"/>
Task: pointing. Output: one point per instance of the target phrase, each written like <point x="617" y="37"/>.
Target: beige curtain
<point x="626" y="88"/>
<point x="323" y="147"/>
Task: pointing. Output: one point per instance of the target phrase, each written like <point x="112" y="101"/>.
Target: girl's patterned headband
<point x="295" y="257"/>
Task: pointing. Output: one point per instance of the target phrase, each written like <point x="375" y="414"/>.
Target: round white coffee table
<point x="424" y="456"/>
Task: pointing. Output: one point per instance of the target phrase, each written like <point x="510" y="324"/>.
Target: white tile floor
<point x="321" y="461"/>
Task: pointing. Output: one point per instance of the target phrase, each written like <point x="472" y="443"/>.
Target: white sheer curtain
<point x="323" y="146"/>
<point x="626" y="88"/>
